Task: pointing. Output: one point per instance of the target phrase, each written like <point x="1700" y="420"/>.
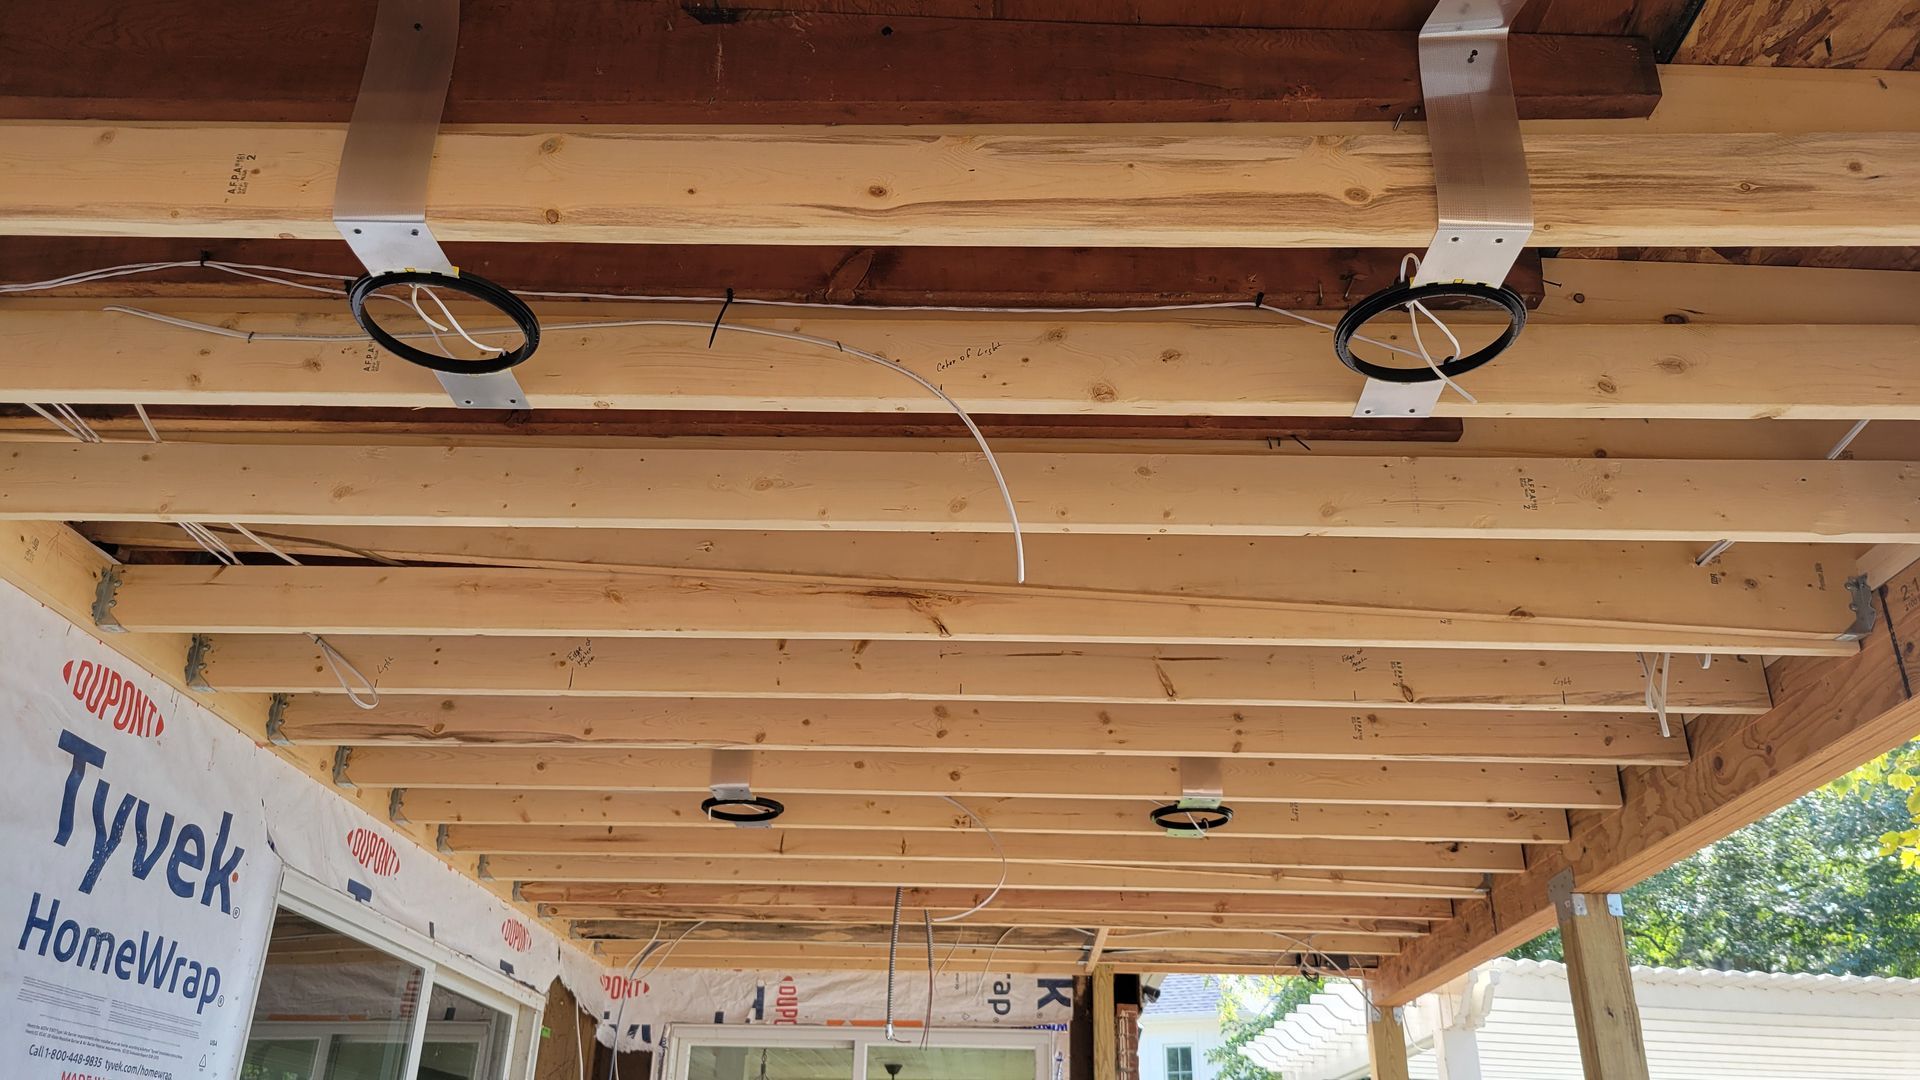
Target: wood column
<point x="1106" y="1052"/>
<point x="1605" y="1014"/>
<point x="1386" y="1044"/>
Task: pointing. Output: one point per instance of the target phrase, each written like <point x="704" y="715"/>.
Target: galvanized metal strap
<point x="380" y="194"/>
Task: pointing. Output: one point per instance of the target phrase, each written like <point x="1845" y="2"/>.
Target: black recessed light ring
<point x="1399" y="295"/>
<point x="479" y="288"/>
<point x="1190" y="820"/>
<point x="764" y="810"/>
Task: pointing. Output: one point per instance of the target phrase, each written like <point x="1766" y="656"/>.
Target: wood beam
<point x="1606" y="1018"/>
<point x="959" y="727"/>
<point x="1829" y="716"/>
<point x="1152" y="186"/>
<point x="1106" y="1036"/>
<point x="1770" y="586"/>
<point x="880" y="276"/>
<point x="628" y="919"/>
<point x="1067" y="877"/>
<point x="625" y="939"/>
<point x="1868" y="502"/>
<point x="512" y="602"/>
<point x="1043" y="776"/>
<point x="1224" y="363"/>
<point x="1144" y="848"/>
<point x="1120" y="674"/>
<point x="1093" y="817"/>
<point x="693" y="67"/>
<point x="880" y="898"/>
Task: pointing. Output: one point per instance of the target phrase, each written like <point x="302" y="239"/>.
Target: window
<point x="340" y="999"/>
<point x="764" y="1052"/>
<point x="1179" y="1063"/>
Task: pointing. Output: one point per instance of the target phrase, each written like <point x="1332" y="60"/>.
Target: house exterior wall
<point x="1157" y="1032"/>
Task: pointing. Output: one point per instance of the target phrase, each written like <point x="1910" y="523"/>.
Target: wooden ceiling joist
<point x="896" y="816"/>
<point x="595" y="920"/>
<point x="1867" y="502"/>
<point x="1112" y="186"/>
<point x="732" y="65"/>
<point x="616" y="937"/>
<point x="919" y="671"/>
<point x="1144" y="848"/>
<point x="1218" y="363"/>
<point x="532" y="603"/>
<point x="776" y="898"/>
<point x="904" y="873"/>
<point x="1431" y="783"/>
<point x="959" y="727"/>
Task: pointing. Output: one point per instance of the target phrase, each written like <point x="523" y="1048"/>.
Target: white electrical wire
<point x="979" y="437"/>
<point x="262" y="544"/>
<point x="341" y="667"/>
<point x="212" y="543"/>
<point x="1720" y="547"/>
<point x="1415" y="309"/>
<point x="998" y="850"/>
<point x="620" y="1013"/>
<point x="1656" y="696"/>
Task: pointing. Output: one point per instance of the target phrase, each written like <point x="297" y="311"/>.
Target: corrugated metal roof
<point x="1697" y="1022"/>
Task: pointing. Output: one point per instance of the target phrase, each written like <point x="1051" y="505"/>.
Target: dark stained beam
<point x="692" y="423"/>
<point x="878" y="276"/>
<point x="627" y="62"/>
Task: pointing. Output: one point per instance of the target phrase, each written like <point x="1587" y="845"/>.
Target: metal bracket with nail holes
<point x="1479" y="167"/>
<point x="103" y="600"/>
<point x="396" y="806"/>
<point x="341" y="757"/>
<point x="1865" y="613"/>
<point x="1560" y="892"/>
<point x="380" y="194"/>
<point x="199" y="647"/>
<point x="276" y="717"/>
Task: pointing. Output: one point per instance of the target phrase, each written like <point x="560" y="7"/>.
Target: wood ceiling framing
<point x="1411" y="645"/>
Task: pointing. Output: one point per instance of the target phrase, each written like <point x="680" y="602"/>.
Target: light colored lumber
<point x="618" y="937"/>
<point x="1570" y="499"/>
<point x="1146" y="847"/>
<point x="1144" y="963"/>
<point x="1883" y="563"/>
<point x="1793" y="587"/>
<point x="1064" y="877"/>
<point x="1386" y="1043"/>
<point x="1228" y="185"/>
<point x="958" y="727"/>
<point x="880" y="898"/>
<point x="591" y="917"/>
<point x="1830" y="715"/>
<point x="1106" y="1040"/>
<point x="1091" y="817"/>
<point x="513" y="602"/>
<point x="783" y="773"/>
<point x="1606" y="1019"/>
<point x="1225" y="675"/>
<point x="1193" y="363"/>
<point x="57" y="567"/>
<point x="1697" y="300"/>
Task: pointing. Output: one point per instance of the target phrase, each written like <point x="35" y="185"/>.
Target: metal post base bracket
<point x="380" y="195"/>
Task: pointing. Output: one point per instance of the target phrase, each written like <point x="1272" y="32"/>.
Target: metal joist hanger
<point x="1481" y="185"/>
<point x="380" y="195"/>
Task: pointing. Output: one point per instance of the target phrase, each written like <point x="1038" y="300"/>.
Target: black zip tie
<point x="1259" y="301"/>
<point x="716" y="319"/>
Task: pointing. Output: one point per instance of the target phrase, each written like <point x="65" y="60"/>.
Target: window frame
<point x="1166" y="1060"/>
<point x="439" y="966"/>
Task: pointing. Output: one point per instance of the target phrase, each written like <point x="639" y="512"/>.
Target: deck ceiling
<point x="1418" y="648"/>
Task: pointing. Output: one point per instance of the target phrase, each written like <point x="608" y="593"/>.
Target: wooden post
<point x="1605" y="1015"/>
<point x="1106" y="1050"/>
<point x="1386" y="1043"/>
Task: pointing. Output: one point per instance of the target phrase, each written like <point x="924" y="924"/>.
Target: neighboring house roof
<point x="1697" y="1023"/>
<point x="1186" y="995"/>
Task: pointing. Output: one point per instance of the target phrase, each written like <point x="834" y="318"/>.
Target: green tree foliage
<point x="1809" y="888"/>
<point x="1899" y="771"/>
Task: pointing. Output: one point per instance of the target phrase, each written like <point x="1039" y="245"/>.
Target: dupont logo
<point x="103" y="692"/>
<point x="516" y="935"/>
<point x="619" y="987"/>
<point x="372" y="851"/>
